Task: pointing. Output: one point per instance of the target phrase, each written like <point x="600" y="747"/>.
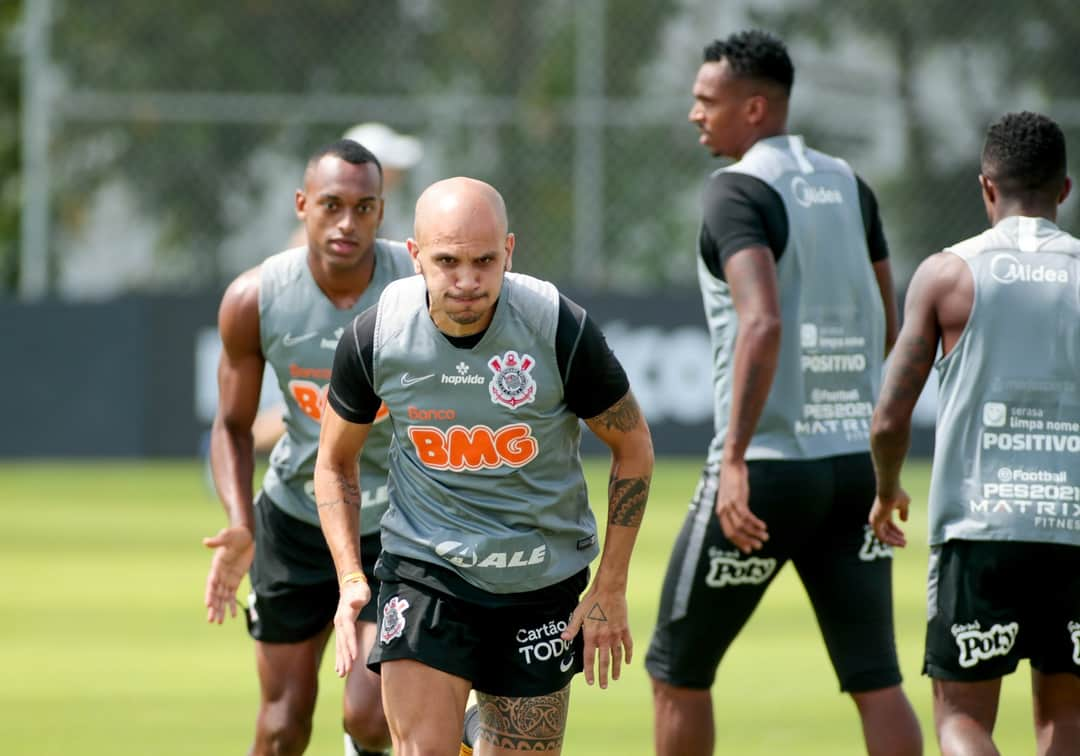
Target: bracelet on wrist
<point x="353" y="577"/>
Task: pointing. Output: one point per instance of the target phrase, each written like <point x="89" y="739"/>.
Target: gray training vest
<point x="1007" y="449"/>
<point x="833" y="322"/>
<point x="299" y="330"/>
<point x="485" y="471"/>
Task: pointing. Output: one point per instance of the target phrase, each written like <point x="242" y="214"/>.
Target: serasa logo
<point x="477" y="448"/>
<point x="1006" y="269"/>
<point x="807" y="195"/>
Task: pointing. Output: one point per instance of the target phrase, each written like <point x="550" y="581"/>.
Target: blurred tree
<point x="9" y="148"/>
<point x="187" y="173"/>
<point x="933" y="200"/>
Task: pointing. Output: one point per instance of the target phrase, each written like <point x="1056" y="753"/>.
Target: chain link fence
<point x="162" y="142"/>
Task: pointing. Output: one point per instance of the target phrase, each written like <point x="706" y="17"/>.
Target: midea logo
<point x="1006" y="269"/>
<point x="807" y="195"/>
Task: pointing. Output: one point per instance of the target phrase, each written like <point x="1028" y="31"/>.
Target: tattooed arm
<point x="937" y="307"/>
<point x="751" y="274"/>
<point x="602" y="611"/>
<point x="337" y="494"/>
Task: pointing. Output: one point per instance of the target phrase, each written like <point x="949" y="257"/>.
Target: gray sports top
<point x="485" y="472"/>
<point x="299" y="329"/>
<point x="833" y="321"/>
<point x="1007" y="450"/>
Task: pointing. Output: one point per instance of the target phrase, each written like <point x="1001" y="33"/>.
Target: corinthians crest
<point x="512" y="383"/>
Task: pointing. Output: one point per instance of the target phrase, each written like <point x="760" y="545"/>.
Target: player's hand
<point x="602" y="616"/>
<point x="234" y="548"/>
<point x="354" y="596"/>
<point x="887" y="531"/>
<point x="739" y="524"/>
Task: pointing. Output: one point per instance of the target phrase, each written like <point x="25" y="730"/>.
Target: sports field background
<point x="105" y="649"/>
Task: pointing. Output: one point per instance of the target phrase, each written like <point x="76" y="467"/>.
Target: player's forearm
<point x="757" y="350"/>
<point x="232" y="462"/>
<point x="628" y="493"/>
<point x="337" y="497"/>
<point x="889" y="441"/>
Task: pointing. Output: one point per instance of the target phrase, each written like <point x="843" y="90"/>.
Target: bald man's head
<point x="459" y="207"/>
<point x="462" y="249"/>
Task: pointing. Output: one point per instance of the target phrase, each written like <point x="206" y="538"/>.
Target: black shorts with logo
<point x="505" y="644"/>
<point x="816" y="513"/>
<point x="294" y="586"/>
<point x="992" y="603"/>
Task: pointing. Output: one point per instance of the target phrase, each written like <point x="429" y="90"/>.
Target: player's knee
<point x="367" y="726"/>
<point x="666" y="694"/>
<point x="283" y="731"/>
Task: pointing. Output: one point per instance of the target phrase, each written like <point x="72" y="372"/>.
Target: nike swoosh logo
<point x="291" y="340"/>
<point x="407" y="381"/>
<point x="566" y="663"/>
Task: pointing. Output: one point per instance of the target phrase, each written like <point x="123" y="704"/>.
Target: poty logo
<point x="1074" y="633"/>
<point x="476" y="448"/>
<point x="1006" y="269"/>
<point x="731" y="568"/>
<point x="807" y="194"/>
<point x="976" y="645"/>
<point x="873" y="548"/>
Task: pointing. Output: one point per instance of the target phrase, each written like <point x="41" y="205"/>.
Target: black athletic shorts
<point x="294" y="586"/>
<point x="993" y="603"/>
<point x="816" y="513"/>
<point x="505" y="649"/>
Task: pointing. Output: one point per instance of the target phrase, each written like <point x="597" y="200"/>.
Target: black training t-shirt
<point x="593" y="379"/>
<point x="743" y="211"/>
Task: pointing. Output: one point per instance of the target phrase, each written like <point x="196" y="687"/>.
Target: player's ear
<point x="414" y="253"/>
<point x="300" y="204"/>
<point x="509" y="251"/>
<point x="989" y="191"/>
<point x="1065" y="190"/>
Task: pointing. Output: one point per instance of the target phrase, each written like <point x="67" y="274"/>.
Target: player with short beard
<point x="489" y="534"/>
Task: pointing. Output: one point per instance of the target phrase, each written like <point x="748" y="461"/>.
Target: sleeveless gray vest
<point x="833" y="322"/>
<point x="1007" y="449"/>
<point x="485" y="471"/>
<point x="299" y="329"/>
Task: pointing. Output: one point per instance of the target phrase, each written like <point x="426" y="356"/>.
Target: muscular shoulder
<point x="943" y="283"/>
<point x="238" y="315"/>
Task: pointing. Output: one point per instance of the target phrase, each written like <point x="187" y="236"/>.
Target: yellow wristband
<point x="353" y="577"/>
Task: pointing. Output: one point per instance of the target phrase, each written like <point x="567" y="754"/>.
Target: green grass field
<point x="106" y="650"/>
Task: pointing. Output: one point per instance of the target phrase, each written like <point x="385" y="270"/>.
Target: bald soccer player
<point x="489" y="534"/>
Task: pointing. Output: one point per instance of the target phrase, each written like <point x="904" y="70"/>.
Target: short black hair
<point x="347" y="150"/>
<point x="754" y="54"/>
<point x="1024" y="155"/>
